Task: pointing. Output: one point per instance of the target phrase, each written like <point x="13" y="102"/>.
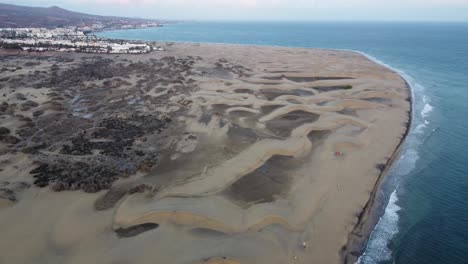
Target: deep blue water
<point x="425" y="210"/>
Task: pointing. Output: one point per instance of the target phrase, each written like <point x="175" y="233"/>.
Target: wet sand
<point x="199" y="154"/>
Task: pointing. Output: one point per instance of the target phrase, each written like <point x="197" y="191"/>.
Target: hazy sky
<point x="322" y="10"/>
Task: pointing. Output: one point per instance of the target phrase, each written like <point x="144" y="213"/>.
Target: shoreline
<point x="365" y="223"/>
<point x="368" y="219"/>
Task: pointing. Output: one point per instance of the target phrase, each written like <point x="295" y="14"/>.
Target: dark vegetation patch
<point x="225" y="65"/>
<point x="381" y="167"/>
<point x="9" y="139"/>
<point x="38" y="113"/>
<point x="106" y="160"/>
<point x="303" y="79"/>
<point x="220" y="108"/>
<point x="379" y="100"/>
<point x="135" y="230"/>
<point x="75" y="176"/>
<point x="90" y="132"/>
<point x="206" y="232"/>
<point x="283" y="125"/>
<point x="271" y="94"/>
<point x="32" y="63"/>
<point x="118" y="134"/>
<point x="21" y="97"/>
<point x="332" y="88"/>
<point x="247" y="91"/>
<point x="325" y="102"/>
<point x="266" y="109"/>
<point x="205" y="118"/>
<point x="318" y="135"/>
<point x="115" y="194"/>
<point x="11" y="190"/>
<point x="28" y="105"/>
<point x="282" y="71"/>
<point x="346" y="111"/>
<point x="5" y="136"/>
<point x="293" y="101"/>
<point x="4" y="131"/>
<point x="273" y="78"/>
<point x="110" y="198"/>
<point x="241" y="135"/>
<point x="241" y="113"/>
<point x="265" y="184"/>
<point x="313" y="79"/>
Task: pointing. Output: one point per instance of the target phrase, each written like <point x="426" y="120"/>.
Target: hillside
<point x="25" y="16"/>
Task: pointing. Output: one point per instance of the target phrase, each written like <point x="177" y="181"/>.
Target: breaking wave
<point x="385" y="229"/>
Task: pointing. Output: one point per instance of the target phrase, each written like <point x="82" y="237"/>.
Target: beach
<point x="202" y="153"/>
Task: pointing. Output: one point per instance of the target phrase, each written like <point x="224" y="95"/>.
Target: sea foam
<point x="426" y="110"/>
<point x="387" y="227"/>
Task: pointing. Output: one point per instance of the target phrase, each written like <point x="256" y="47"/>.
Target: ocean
<point x="424" y="208"/>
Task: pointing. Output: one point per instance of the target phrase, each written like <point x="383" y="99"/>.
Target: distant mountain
<point x="25" y="16"/>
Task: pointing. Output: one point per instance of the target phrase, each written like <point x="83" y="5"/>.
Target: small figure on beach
<point x="339" y="154"/>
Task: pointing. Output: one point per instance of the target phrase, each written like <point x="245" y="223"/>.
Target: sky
<point x="269" y="10"/>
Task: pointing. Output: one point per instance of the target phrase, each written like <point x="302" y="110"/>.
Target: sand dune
<point x="212" y="154"/>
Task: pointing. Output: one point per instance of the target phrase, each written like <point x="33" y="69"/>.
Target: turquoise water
<point x="425" y="198"/>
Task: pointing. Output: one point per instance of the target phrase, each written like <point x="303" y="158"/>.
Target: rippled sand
<point x="269" y="159"/>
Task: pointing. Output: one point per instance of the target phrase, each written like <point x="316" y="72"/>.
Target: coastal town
<point x="73" y="39"/>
